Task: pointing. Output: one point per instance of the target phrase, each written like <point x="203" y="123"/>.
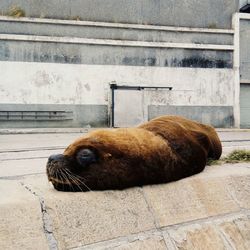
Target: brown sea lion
<point x="164" y="149"/>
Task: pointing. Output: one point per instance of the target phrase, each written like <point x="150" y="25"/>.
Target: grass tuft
<point x="235" y="157"/>
<point x="75" y="18"/>
<point x="238" y="156"/>
<point x="16" y="11"/>
<point x="211" y="162"/>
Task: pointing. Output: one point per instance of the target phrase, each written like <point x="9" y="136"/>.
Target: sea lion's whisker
<point x="75" y="175"/>
<point x="68" y="178"/>
<point x="64" y="177"/>
<point x="56" y="175"/>
<point x="74" y="179"/>
<point x="75" y="182"/>
<point x="77" y="178"/>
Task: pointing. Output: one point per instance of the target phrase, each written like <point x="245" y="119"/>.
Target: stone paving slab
<point x="207" y="211"/>
<point x="240" y="190"/>
<point x="228" y="232"/>
<point x="237" y="232"/>
<point x="197" y="237"/>
<point x="84" y="218"/>
<point x="190" y="199"/>
<point x="21" y="225"/>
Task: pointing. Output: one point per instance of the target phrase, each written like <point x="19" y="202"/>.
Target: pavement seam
<point x="47" y="223"/>
<point x="150" y="209"/>
<point x="32" y="149"/>
<point x="213" y="218"/>
<point x="120" y="241"/>
<point x="227" y="242"/>
<point x="169" y="241"/>
<point x="26" y="158"/>
<point x="233" y="196"/>
<point x="18" y="177"/>
<point x="156" y="222"/>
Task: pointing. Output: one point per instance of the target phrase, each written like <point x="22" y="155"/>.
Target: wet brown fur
<point x="164" y="149"/>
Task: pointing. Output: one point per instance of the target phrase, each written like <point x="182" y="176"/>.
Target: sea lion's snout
<point x="54" y="164"/>
<point x="55" y="158"/>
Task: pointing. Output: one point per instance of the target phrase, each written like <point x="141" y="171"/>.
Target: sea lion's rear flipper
<point x="210" y="142"/>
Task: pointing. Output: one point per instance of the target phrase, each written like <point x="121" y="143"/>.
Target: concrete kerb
<point x="81" y="130"/>
<point x="44" y="130"/>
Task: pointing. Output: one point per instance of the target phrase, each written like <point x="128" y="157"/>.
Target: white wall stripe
<point x="109" y="42"/>
<point x="116" y="25"/>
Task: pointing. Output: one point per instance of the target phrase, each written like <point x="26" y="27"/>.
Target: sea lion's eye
<point x="85" y="157"/>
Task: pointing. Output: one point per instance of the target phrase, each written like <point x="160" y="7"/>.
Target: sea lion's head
<point x="106" y="159"/>
<point x="66" y="171"/>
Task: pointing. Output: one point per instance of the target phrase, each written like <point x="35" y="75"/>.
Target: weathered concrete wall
<point x="112" y="55"/>
<point x="192" y="13"/>
<point x="117" y="31"/>
<point x="219" y="116"/>
<point x="83" y="85"/>
<point x="153" y="46"/>
<point x="47" y="83"/>
<point x="57" y="73"/>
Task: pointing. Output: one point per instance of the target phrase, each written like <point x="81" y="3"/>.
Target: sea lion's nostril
<point x="55" y="158"/>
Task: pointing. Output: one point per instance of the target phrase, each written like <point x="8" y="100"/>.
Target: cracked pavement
<point x="210" y="210"/>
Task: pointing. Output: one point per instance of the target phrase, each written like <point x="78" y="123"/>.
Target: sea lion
<point x="162" y="150"/>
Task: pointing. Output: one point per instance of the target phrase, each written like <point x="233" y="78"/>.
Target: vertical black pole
<point x="112" y="86"/>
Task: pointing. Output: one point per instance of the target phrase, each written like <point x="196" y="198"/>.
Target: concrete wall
<point x="57" y="73"/>
<point x="84" y="85"/>
<point x="117" y="31"/>
<point x="191" y="13"/>
<point x="43" y="40"/>
<point x="30" y="51"/>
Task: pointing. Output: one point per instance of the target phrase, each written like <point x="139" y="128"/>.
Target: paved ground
<point x="208" y="211"/>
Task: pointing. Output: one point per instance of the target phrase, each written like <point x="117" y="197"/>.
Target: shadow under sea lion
<point x="165" y="149"/>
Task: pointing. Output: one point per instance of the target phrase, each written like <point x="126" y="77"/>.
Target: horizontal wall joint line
<point x="109" y="42"/>
<point x="115" y="25"/>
